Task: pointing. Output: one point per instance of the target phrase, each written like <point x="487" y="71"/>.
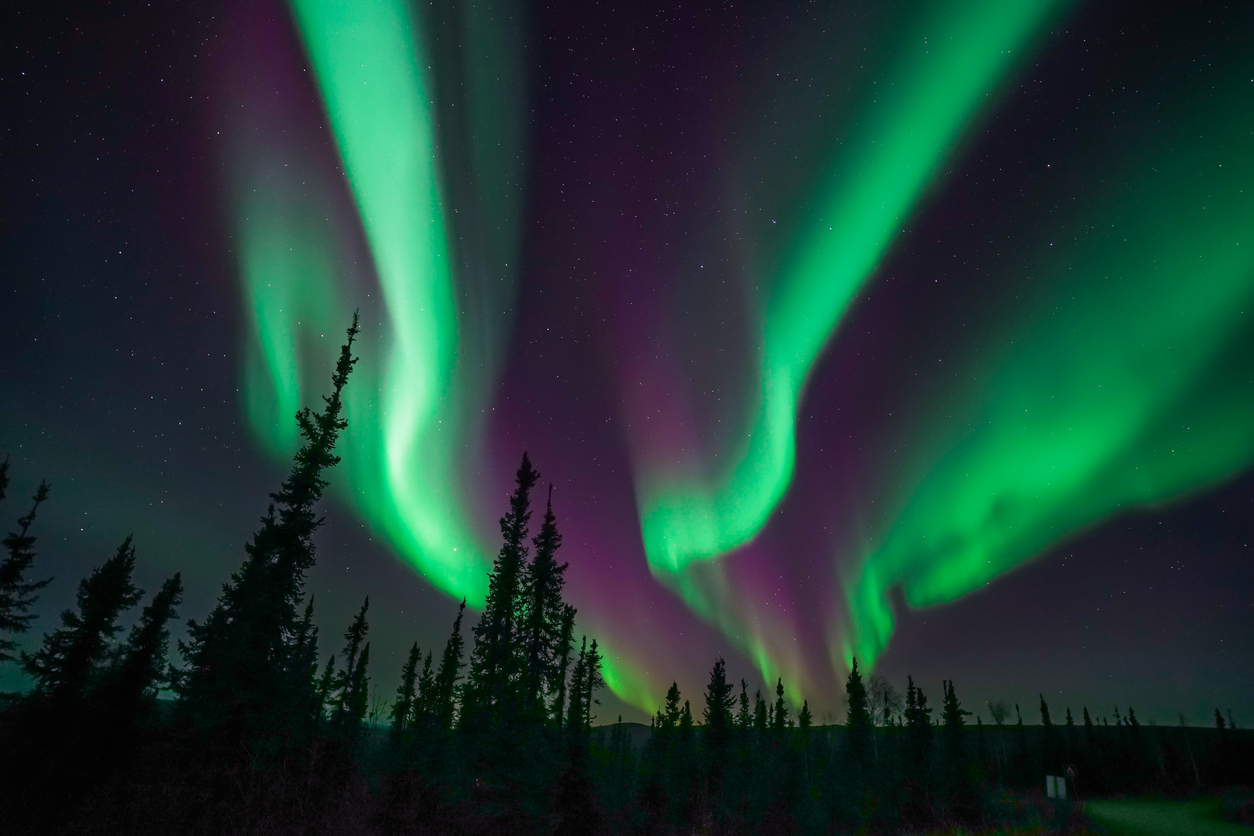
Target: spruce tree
<point x="129" y="687"/>
<point x="357" y="697"/>
<point x="403" y="706"/>
<point x="759" y="713"/>
<point x="1050" y="753"/>
<point x="780" y="717"/>
<point x="325" y="686"/>
<point x="952" y="714"/>
<point x="718" y="724"/>
<point x="670" y="717"/>
<point x="493" y="673"/>
<point x="858" y="724"/>
<point x="303" y="672"/>
<point x="804" y="719"/>
<point x="424" y="703"/>
<point x="543" y="611"/>
<point x="17" y="595"/>
<point x="718" y="706"/>
<point x="744" y="717"/>
<point x="592" y="682"/>
<point x="67" y="662"/>
<point x="565" y="646"/>
<point x="246" y="656"/>
<point x="577" y="711"/>
<point x="952" y="718"/>
<point x="346" y="680"/>
<point x="443" y="705"/>
<point x="918" y="727"/>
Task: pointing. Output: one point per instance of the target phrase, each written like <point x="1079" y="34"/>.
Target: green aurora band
<point x="1126" y="382"/>
<point x="415" y="412"/>
<point x="941" y="76"/>
<point x="1130" y="382"/>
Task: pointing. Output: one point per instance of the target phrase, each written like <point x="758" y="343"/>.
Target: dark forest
<point x="246" y="728"/>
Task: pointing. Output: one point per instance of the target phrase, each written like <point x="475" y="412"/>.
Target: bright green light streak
<point x="1130" y="385"/>
<point x="286" y="266"/>
<point x="942" y="77"/>
<point x="371" y="73"/>
<point x="626" y="681"/>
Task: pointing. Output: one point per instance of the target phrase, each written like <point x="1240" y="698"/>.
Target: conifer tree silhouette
<point x="804" y="719"/>
<point x="492" y="675"/>
<point x="577" y="711"/>
<point x="406" y="694"/>
<point x="357" y="694"/>
<point x="345" y="684"/>
<point x="718" y="726"/>
<point x="759" y="713"/>
<point x="952" y="717"/>
<point x="128" y="691"/>
<point x="69" y="658"/>
<point x="592" y="682"/>
<point x="565" y="647"/>
<point x="670" y="717"/>
<point x="858" y="724"/>
<point x="779" y="719"/>
<point x="246" y="655"/>
<point x="542" y="619"/>
<point x="17" y="595"/>
<point x="744" y="716"/>
<point x="325" y="686"/>
<point x="443" y="704"/>
<point x="425" y="698"/>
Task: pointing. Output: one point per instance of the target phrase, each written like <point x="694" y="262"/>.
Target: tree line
<point x="250" y="731"/>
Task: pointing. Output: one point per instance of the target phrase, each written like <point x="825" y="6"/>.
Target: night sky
<point x="917" y="332"/>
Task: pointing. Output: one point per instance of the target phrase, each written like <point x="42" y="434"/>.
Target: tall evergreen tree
<point x="577" y="711"/>
<point x="759" y="713"/>
<point x="424" y="704"/>
<point x="718" y="709"/>
<point x="356" y="699"/>
<point x="780" y="717"/>
<point x="543" y="611"/>
<point x="347" y="679"/>
<point x="245" y="657"/>
<point x="918" y="727"/>
<point x="326" y="685"/>
<point x="858" y="724"/>
<point x="744" y="717"/>
<point x="1049" y="749"/>
<point x="952" y="717"/>
<point x="668" y="717"/>
<point x="593" y="681"/>
<point x="444" y="705"/>
<point x="129" y="687"/>
<point x="565" y="647"/>
<point x="406" y="695"/>
<point x="17" y="595"/>
<point x="953" y="720"/>
<point x="492" y="677"/>
<point x="304" y="671"/>
<point x="69" y="658"/>
<point x="718" y="725"/>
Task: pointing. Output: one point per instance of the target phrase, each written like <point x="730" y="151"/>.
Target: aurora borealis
<point x="825" y="324"/>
